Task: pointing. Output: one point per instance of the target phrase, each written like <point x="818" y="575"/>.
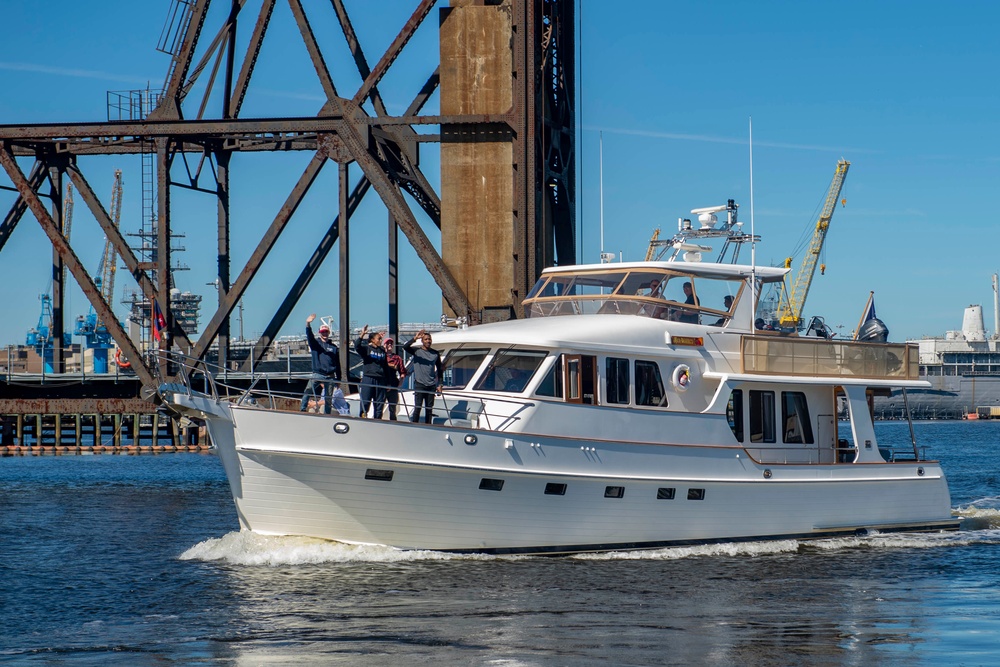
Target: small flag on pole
<point x="867" y="316"/>
<point x="159" y="321"/>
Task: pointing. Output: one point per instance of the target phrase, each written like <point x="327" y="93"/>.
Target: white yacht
<point x="625" y="411"/>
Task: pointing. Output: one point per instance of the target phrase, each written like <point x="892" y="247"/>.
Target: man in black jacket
<point x="325" y="366"/>
<point x="374" y="373"/>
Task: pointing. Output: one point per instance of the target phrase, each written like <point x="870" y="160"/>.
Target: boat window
<point x="716" y="295"/>
<point x="552" y="383"/>
<point x="649" y="385"/>
<point x="537" y="289"/>
<point x="762" y="427"/>
<point x="682" y="290"/>
<point x="795" y="418"/>
<point x="665" y="493"/>
<point x="734" y="413"/>
<point x="642" y="283"/>
<point x="580" y="378"/>
<point x="511" y="370"/>
<point x="461" y="365"/>
<point x="592" y="284"/>
<point x="617" y="381"/>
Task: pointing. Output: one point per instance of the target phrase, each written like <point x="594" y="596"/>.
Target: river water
<point x="137" y="560"/>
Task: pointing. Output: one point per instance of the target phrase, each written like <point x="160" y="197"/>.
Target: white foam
<point x="248" y="548"/>
<point x="979" y="526"/>
<point x="723" y="549"/>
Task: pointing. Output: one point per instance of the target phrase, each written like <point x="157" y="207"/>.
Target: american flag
<point x="159" y="321"/>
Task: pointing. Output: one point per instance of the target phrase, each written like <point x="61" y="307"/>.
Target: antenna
<point x="601" y="171"/>
<point x="753" y="241"/>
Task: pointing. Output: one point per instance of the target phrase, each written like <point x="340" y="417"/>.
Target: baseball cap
<point x="324" y="328"/>
<point x="389" y="340"/>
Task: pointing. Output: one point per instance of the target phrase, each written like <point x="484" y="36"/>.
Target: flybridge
<point x="692" y="293"/>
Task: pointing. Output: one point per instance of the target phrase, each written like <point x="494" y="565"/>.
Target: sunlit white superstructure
<point x="620" y="413"/>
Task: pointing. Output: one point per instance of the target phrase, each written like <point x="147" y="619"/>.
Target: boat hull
<point x="449" y="489"/>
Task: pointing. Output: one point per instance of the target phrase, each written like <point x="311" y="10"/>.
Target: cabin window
<point x="795" y="418"/>
<point x="555" y="489"/>
<point x="734" y="413"/>
<point x="511" y="370"/>
<point x="552" y="383"/>
<point x="617" y="378"/>
<point x="378" y="475"/>
<point x="614" y="492"/>
<point x="580" y="378"/>
<point x="487" y="484"/>
<point x="649" y="385"/>
<point x="461" y="365"/>
<point x="696" y="494"/>
<point x="762" y="427"/>
<point x="665" y="493"/>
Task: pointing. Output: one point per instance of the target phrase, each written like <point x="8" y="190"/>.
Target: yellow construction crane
<point x="109" y="260"/>
<point x="790" y="308"/>
<point x="651" y="252"/>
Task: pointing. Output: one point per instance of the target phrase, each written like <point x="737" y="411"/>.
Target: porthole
<point x="341" y="428"/>
<point x="487" y="484"/>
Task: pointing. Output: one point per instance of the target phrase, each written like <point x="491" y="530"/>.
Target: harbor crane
<point x="789" y="313"/>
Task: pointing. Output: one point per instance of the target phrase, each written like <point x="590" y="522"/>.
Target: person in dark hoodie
<point x="325" y="365"/>
<point x="374" y="373"/>
<point x="397" y="371"/>
<point x="428" y="373"/>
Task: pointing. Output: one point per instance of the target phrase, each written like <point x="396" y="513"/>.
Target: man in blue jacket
<point x="325" y="366"/>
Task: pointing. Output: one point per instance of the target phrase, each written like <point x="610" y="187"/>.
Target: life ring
<point x="682" y="378"/>
<point x="118" y="360"/>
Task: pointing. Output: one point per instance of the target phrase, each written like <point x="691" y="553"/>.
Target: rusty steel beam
<point x="231" y="127"/>
<point x="73" y="263"/>
<point x="232" y="297"/>
<point x="17" y="210"/>
<point x="221" y="38"/>
<point x="170" y="106"/>
<point x="322" y="71"/>
<point x="79" y="406"/>
<point x="250" y="59"/>
<point x="222" y="159"/>
<point x="359" y="57"/>
<point x="176" y="129"/>
<point x="344" y="271"/>
<point x="164" y="160"/>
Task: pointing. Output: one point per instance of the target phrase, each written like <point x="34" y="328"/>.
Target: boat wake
<point x="982" y="514"/>
<point x="249" y="548"/>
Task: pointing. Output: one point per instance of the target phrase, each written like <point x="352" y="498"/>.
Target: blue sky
<point x="904" y="90"/>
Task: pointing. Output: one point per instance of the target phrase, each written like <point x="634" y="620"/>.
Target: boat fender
<point x="681" y="378"/>
<point x="121" y="363"/>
